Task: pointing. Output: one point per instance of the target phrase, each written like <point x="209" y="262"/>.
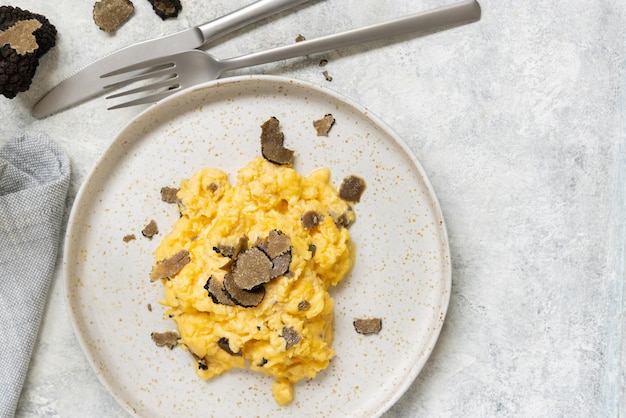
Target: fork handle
<point x="241" y="17"/>
<point x="456" y="14"/>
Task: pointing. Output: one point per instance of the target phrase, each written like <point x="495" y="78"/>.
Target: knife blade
<point x="87" y="83"/>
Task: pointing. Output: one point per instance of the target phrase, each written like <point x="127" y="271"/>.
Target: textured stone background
<point x="518" y="122"/>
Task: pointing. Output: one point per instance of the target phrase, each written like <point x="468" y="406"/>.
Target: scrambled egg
<point x="289" y="334"/>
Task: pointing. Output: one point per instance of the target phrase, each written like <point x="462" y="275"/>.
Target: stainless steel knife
<point x="86" y="83"/>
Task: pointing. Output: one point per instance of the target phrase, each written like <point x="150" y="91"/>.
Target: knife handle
<point x="241" y="17"/>
<point x="459" y="13"/>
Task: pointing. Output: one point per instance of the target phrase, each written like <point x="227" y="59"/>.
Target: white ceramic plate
<point x="402" y="271"/>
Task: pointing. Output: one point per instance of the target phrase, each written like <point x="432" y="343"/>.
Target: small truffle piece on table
<point x="109" y="15"/>
<point x="166" y="9"/>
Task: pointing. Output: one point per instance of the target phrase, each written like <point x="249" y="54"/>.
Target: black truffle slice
<point x="310" y="219"/>
<point x="231" y="252"/>
<point x="291" y="336"/>
<point x="272" y="140"/>
<point x="167" y="339"/>
<point x="225" y="250"/>
<point x="351" y="189"/>
<point x="150" y="230"/>
<point x="280" y="265"/>
<point x="368" y="326"/>
<point x="216" y="291"/>
<point x="322" y="126"/>
<point x="277" y="243"/>
<point x="167" y="268"/>
<point x="202" y="364"/>
<point x="242" y="245"/>
<point x="251" y="269"/>
<point x="223" y="343"/>
<point x="241" y="297"/>
<point x="168" y="194"/>
<point x="24" y="38"/>
<point x="201" y="361"/>
<point x="111" y="14"/>
<point x="166" y="9"/>
<point x="345" y="219"/>
<point x="304" y="305"/>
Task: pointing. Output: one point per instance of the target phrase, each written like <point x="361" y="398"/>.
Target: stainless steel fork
<point x="179" y="71"/>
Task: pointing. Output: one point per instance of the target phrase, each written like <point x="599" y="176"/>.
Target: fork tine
<point x="152" y="73"/>
<point x="153" y="98"/>
<point x="169" y="82"/>
<point x="140" y="66"/>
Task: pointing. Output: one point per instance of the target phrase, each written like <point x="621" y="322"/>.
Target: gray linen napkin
<point x="34" y="178"/>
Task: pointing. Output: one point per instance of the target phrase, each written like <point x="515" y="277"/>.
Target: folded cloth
<point x="34" y="178"/>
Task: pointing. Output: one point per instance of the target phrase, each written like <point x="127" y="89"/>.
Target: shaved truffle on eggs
<point x="247" y="270"/>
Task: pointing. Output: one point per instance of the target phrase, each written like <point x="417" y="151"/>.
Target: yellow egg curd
<point x="288" y="335"/>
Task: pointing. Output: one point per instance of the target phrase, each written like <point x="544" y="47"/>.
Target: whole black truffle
<point x="24" y="38"/>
